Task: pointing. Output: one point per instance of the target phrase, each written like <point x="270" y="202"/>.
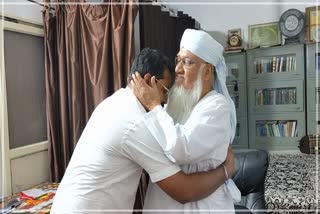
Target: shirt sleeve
<point x="206" y="133"/>
<point x="141" y="147"/>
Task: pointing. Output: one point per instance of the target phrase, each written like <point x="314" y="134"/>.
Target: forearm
<point x="193" y="187"/>
<point x="202" y="184"/>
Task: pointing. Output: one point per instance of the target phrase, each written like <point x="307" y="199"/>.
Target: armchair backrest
<point x="250" y="173"/>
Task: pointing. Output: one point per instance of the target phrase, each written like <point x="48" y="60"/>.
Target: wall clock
<point x="234" y="40"/>
<point x="291" y="25"/>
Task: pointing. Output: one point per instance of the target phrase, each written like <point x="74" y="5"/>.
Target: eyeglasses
<point x="167" y="89"/>
<point x="186" y="62"/>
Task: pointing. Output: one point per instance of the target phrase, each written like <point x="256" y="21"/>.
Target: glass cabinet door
<point x="236" y="65"/>
<point x="276" y="63"/>
<point x="238" y="95"/>
<point x="313" y="95"/>
<point x="313" y="60"/>
<point x="278" y="96"/>
<point x="276" y="131"/>
<point x="241" y="136"/>
<point x="313" y="123"/>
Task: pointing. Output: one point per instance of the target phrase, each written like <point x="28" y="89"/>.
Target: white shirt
<point x="106" y="165"/>
<point x="200" y="144"/>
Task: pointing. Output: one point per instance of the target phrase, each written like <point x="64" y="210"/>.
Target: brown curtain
<point x="88" y="54"/>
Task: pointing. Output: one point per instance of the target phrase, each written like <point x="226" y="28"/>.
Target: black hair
<point x="154" y="62"/>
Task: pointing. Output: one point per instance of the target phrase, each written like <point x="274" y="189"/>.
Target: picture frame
<point x="312" y="29"/>
<point x="264" y="35"/>
<point x="234" y="38"/>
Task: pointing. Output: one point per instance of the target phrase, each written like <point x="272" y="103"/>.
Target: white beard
<point x="181" y="101"/>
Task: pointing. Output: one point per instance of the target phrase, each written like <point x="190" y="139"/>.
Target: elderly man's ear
<point x="208" y="72"/>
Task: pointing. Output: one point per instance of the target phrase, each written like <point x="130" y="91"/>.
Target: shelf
<point x="276" y="96"/>
<point x="276" y="128"/>
<point x="276" y="142"/>
<point x="276" y="63"/>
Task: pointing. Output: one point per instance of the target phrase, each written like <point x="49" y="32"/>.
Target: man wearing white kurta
<point x="104" y="171"/>
<point x="198" y="124"/>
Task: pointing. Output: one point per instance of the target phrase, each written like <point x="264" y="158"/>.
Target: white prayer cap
<point x="201" y="44"/>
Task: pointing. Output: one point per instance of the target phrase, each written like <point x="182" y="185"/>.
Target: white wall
<point x="23" y="10"/>
<point x="24" y="176"/>
<point x="218" y="17"/>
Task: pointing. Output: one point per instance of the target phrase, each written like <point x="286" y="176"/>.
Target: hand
<point x="149" y="96"/>
<point x="229" y="163"/>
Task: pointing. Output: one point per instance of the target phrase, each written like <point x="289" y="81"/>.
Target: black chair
<point x="250" y="174"/>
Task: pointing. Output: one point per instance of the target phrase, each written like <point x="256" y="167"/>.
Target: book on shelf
<point x="274" y="64"/>
<point x="293" y="131"/>
<point x="277" y="64"/>
<point x="271" y="131"/>
<point x="276" y="128"/>
<point x="287" y="63"/>
<point x="275" y="96"/>
<point x="281" y="64"/>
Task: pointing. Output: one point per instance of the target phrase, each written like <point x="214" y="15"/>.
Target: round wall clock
<point x="234" y="40"/>
<point x="291" y="23"/>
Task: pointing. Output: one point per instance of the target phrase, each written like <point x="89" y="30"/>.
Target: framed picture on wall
<point x="264" y="35"/>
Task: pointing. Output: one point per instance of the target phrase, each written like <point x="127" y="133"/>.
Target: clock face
<point x="291" y="23"/>
<point x="234" y="40"/>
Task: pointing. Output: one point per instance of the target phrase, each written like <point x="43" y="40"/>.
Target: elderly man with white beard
<point x="198" y="124"/>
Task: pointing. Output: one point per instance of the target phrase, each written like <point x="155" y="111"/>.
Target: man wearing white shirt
<point x="198" y="124"/>
<point x="104" y="171"/>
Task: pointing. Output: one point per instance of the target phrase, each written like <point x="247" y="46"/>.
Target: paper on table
<point x="33" y="193"/>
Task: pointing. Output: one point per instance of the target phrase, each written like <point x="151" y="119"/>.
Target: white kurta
<point x="106" y="165"/>
<point x="200" y="144"/>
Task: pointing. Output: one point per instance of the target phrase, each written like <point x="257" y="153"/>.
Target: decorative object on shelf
<point x="234" y="41"/>
<point x="291" y="25"/>
<point x="264" y="35"/>
<point x="312" y="29"/>
<point x="308" y="144"/>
